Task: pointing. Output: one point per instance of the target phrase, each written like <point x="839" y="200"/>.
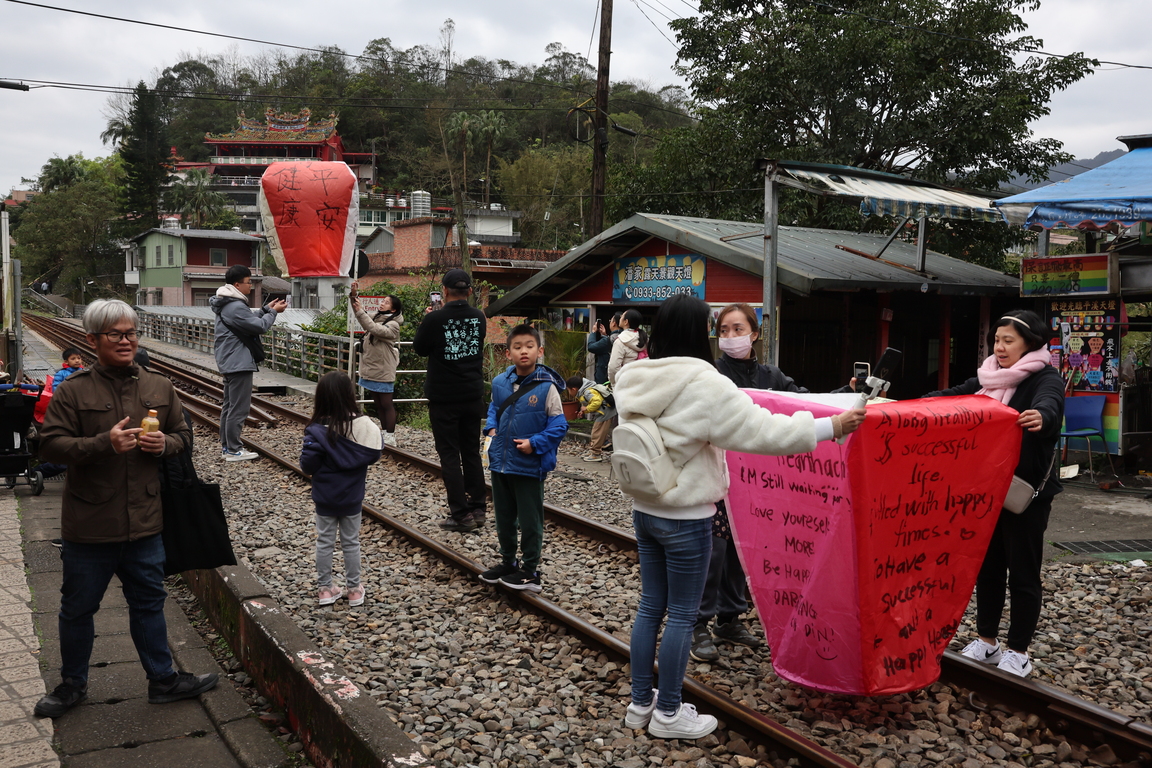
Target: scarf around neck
<point x="1001" y="383"/>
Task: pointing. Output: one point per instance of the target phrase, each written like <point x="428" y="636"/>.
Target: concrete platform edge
<point x="338" y="723"/>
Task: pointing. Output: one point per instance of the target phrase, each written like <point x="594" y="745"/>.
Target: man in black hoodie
<point x="452" y="338"/>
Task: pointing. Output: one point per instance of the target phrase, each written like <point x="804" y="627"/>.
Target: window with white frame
<point x="218" y="257"/>
<point x="157" y="255"/>
<point x="171" y="255"/>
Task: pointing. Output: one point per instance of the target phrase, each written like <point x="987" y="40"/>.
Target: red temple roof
<point x="279" y="127"/>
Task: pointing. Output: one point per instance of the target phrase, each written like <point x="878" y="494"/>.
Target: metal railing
<point x="45" y="303"/>
<point x="296" y="352"/>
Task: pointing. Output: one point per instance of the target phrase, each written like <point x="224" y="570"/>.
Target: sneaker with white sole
<point x="986" y="653"/>
<point x="356" y="597"/>
<point x="1015" y="663"/>
<point x="637" y="716"/>
<point x="687" y="723"/>
<point x="390" y="439"/>
<point x="329" y="595"/>
<point x="593" y="457"/>
<point x="240" y="455"/>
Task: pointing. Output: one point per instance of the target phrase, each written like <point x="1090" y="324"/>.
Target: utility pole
<point x="600" y="121"/>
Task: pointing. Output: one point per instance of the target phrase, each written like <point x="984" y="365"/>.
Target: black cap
<point x="457" y="279"/>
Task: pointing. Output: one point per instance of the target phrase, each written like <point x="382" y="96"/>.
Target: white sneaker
<point x="637" y="716"/>
<point x="240" y="455"/>
<point x="978" y="650"/>
<point x="390" y="439"/>
<point x="1015" y="663"/>
<point x="687" y="723"/>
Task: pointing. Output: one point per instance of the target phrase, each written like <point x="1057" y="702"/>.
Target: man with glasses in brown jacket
<point x="111" y="517"/>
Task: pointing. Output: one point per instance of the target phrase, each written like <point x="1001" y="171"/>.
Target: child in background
<point x="339" y="444"/>
<point x="72" y="363"/>
<point x="526" y="422"/>
<point x="597" y="403"/>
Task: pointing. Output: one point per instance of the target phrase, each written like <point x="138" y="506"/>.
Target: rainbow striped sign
<point x="1092" y="274"/>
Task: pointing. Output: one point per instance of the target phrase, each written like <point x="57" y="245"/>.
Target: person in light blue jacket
<point x="238" y="350"/>
<point x="526" y="424"/>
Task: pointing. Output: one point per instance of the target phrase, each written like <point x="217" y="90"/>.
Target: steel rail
<point x="1084" y="721"/>
<point x="770" y="733"/>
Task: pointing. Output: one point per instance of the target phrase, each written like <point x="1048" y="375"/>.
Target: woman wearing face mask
<point x="736" y="332"/>
<point x="724" y="597"/>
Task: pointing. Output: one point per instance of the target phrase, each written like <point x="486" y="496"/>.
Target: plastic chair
<point x="1084" y="419"/>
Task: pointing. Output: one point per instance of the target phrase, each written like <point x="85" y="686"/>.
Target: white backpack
<point x="640" y="463"/>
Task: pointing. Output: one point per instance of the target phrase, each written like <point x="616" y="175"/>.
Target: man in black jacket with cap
<point x="452" y="338"/>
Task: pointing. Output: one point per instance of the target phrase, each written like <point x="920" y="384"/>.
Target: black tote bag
<point x="195" y="530"/>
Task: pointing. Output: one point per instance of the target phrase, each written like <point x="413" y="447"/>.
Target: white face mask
<point x="736" y="347"/>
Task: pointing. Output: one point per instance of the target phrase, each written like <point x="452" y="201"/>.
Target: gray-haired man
<point x="110" y="517"/>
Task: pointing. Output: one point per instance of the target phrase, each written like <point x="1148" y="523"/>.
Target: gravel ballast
<point x="475" y="679"/>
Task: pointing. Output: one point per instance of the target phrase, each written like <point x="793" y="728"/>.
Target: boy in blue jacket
<point x="72" y="363"/>
<point x="526" y="423"/>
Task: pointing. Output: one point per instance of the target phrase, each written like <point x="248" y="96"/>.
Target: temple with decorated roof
<point x="240" y="157"/>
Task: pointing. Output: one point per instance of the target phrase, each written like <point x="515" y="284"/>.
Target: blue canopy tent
<point x="1116" y="192"/>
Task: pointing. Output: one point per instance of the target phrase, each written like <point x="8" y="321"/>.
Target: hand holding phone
<point x="434" y="300"/>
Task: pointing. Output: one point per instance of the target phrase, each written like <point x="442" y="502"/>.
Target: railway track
<point x="1085" y="722"/>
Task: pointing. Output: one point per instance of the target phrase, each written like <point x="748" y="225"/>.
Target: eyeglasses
<point x="116" y="337"/>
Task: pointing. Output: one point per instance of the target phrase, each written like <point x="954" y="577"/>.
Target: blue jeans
<point x="674" y="556"/>
<point x="88" y="568"/>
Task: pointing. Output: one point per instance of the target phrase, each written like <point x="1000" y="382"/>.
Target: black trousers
<point x="1014" y="557"/>
<point x="456" y="432"/>
<point x="725" y="591"/>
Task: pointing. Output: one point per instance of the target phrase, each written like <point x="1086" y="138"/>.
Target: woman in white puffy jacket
<point x="699" y="412"/>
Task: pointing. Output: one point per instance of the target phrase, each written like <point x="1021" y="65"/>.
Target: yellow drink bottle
<point x="150" y="423"/>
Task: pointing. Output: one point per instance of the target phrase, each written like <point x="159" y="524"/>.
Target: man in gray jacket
<point x="238" y="350"/>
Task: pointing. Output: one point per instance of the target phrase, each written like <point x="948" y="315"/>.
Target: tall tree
<point x="493" y="126"/>
<point x="942" y="88"/>
<point x="66" y="234"/>
<point x="59" y="172"/>
<point x="194" y="199"/>
<point x="145" y="153"/>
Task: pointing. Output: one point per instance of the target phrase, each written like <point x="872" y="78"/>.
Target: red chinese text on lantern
<point x="310" y="213"/>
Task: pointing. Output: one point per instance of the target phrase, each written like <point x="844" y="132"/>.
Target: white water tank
<point x="421" y="204"/>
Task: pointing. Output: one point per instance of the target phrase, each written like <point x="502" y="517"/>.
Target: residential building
<point x="184" y="267"/>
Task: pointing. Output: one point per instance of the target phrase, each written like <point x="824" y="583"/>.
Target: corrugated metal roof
<point x="208" y="234"/>
<point x="808" y="260"/>
<point x="293" y="318"/>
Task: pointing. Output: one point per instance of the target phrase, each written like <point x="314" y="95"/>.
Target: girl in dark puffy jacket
<point x="339" y="444"/>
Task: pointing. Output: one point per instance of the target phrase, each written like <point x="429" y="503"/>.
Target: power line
<point x="657" y="28"/>
<point x="963" y="38"/>
<point x="341" y="101"/>
<point x="327" y="51"/>
<point x="258" y="100"/>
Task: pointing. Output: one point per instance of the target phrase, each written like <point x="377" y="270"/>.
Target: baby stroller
<point x="17" y="403"/>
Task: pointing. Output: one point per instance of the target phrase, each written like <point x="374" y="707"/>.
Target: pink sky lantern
<point x="862" y="557"/>
<point x="310" y="213"/>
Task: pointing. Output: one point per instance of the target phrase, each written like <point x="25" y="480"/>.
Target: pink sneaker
<point x="329" y="595"/>
<point x="356" y="596"/>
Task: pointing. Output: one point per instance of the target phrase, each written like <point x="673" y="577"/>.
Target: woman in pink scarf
<point x="1018" y="374"/>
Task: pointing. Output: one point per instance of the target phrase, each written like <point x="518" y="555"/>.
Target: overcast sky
<point x="37" y="43"/>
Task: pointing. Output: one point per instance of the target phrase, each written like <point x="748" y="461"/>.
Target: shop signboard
<point x="1092" y="274"/>
<point x="1085" y="343"/>
<point x="656" y="278"/>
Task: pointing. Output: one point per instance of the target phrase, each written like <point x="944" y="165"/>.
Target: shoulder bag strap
<point x="524" y="389"/>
